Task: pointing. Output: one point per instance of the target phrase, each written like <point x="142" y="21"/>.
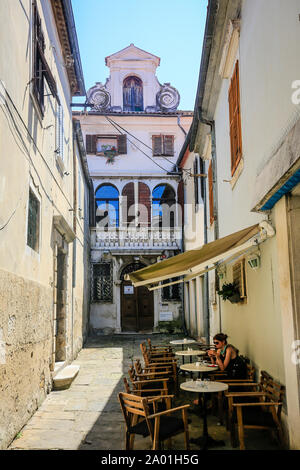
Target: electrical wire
<point x="16" y="133"/>
<point x="127" y="132"/>
<point x="188" y="171"/>
<point x="164" y="169"/>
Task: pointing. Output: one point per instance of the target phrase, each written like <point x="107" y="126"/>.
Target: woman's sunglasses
<point x="216" y="342"/>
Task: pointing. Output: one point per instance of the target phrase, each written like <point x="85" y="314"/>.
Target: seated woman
<point x="227" y="358"/>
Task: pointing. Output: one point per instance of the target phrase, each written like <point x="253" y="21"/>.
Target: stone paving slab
<point x="87" y="416"/>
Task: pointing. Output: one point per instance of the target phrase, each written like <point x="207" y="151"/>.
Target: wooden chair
<point x="159" y="348"/>
<point x="145" y="381"/>
<point x="156" y="354"/>
<point x="160" y="426"/>
<point x="232" y="383"/>
<point x="258" y="409"/>
<point x="160" y="365"/>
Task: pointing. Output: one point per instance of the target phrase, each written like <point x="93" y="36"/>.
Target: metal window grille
<point x="171" y="292"/>
<point x="33" y="222"/>
<point x="102" y="282"/>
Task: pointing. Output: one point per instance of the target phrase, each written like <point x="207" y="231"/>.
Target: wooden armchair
<point x="232" y="384"/>
<point x="164" y="354"/>
<point x="257" y="409"/>
<point x="159" y="348"/>
<point x="148" y="382"/>
<point x="160" y="426"/>
<point x="160" y="365"/>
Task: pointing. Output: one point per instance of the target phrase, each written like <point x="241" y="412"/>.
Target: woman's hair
<point x="221" y="337"/>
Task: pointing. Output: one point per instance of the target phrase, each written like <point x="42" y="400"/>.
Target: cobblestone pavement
<point x="87" y="416"/>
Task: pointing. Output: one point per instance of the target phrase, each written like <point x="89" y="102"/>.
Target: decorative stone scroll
<point x="99" y="97"/>
<point x="168" y="98"/>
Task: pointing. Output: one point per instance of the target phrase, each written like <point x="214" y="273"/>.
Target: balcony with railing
<point x="136" y="239"/>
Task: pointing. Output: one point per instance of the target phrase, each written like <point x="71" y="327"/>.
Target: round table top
<point x="192" y="352"/>
<point x="200" y="386"/>
<point x="183" y="341"/>
<point x="201" y="368"/>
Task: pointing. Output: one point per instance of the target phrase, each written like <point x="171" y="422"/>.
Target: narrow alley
<point x="87" y="416"/>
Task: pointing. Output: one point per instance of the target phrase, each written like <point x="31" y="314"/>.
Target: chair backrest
<point x="149" y="344"/>
<point x="127" y="387"/>
<point x="134" y="405"/>
<point x="250" y="372"/>
<point x="143" y="347"/>
<point x="132" y="376"/>
<point x="138" y="367"/>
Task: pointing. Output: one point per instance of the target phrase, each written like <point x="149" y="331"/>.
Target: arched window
<point x="107" y="206"/>
<point x="133" y="94"/>
<point x="163" y="206"/>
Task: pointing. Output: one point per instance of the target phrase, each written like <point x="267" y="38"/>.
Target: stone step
<point x="65" y="377"/>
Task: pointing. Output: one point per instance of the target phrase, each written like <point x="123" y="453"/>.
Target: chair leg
<point x="127" y="441"/>
<point x="186" y="430"/>
<point x="220" y="407"/>
<point x="156" y="444"/>
<point x="132" y="436"/>
<point x="240" y="428"/>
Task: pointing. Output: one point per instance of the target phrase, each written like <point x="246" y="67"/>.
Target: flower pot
<point x="235" y="298"/>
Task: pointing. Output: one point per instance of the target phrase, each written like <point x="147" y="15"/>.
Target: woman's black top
<point x="237" y="367"/>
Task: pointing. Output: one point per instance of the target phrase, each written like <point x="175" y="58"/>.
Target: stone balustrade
<point x="130" y="239"/>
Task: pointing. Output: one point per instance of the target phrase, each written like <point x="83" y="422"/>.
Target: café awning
<point x="193" y="263"/>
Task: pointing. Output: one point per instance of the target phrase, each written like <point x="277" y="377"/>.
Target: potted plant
<point x="230" y="291"/>
<point x="110" y="153"/>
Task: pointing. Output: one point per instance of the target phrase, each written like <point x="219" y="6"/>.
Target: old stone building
<point x="44" y="191"/>
<point x="133" y="132"/>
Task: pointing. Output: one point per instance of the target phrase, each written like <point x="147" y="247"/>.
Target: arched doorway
<point x="137" y="305"/>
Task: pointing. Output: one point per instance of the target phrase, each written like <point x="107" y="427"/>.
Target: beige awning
<point x="194" y="262"/>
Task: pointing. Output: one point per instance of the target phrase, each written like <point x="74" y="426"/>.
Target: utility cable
<point x="188" y="171"/>
<point x="14" y="128"/>
<point x="164" y="169"/>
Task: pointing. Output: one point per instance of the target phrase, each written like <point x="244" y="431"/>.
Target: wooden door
<point x="137" y="308"/>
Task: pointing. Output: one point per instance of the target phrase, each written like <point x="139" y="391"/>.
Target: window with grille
<point x="33" y="222"/>
<point x="171" y="292"/>
<point x="41" y="70"/>
<point x="102" y="282"/>
<point x="239" y="277"/>
<point x="235" y="119"/>
<point x="163" y="145"/>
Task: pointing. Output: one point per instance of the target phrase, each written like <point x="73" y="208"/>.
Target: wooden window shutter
<point x="168" y="145"/>
<point x="157" y="145"/>
<point x="235" y="119"/>
<point x="122" y="144"/>
<point x="91" y="144"/>
<point x="210" y="193"/>
<point x="144" y="200"/>
<point x="239" y="277"/>
<point x="196" y="189"/>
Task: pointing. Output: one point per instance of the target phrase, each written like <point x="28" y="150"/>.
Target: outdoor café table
<point x="202" y="388"/>
<point x="201" y="368"/>
<point x="182" y="342"/>
<point x="190" y="352"/>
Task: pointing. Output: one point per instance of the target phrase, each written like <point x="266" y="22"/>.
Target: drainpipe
<point x="74" y="241"/>
<point x="179" y="125"/>
<point x="211" y="124"/>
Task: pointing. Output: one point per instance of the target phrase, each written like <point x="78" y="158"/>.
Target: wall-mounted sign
<point x="165" y="316"/>
<point x="128" y="289"/>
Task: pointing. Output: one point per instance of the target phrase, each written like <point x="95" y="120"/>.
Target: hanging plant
<point x="110" y="152"/>
<point x="230" y="291"/>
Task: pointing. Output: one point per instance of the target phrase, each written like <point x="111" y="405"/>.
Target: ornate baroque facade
<point x="133" y="132"/>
